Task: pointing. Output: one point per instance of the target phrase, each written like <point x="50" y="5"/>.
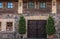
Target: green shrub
<point x="50" y="28"/>
<point x="22" y="25"/>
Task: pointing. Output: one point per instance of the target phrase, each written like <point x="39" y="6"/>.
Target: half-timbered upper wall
<point x="7" y="10"/>
<point x="54" y="3"/>
<point x="58" y="6"/>
<point x="58" y="0"/>
<point x="9" y="0"/>
<point x="20" y="6"/>
<point x="36" y="9"/>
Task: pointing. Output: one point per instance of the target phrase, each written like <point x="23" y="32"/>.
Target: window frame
<point x="0" y="26"/>
<point x="1" y="6"/>
<point x="42" y="7"/>
<point x="7" y="25"/>
<point x="30" y="7"/>
<point x="11" y="5"/>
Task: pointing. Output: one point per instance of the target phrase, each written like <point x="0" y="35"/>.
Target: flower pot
<point x="21" y="36"/>
<point x="50" y="36"/>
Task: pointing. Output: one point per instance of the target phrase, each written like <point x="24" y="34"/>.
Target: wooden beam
<point x="9" y="0"/>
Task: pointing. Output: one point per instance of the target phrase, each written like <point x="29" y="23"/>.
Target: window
<point x="42" y="5"/>
<point x="0" y="26"/>
<point x="10" y="5"/>
<point x="9" y="26"/>
<point x="1" y="5"/>
<point x="31" y="5"/>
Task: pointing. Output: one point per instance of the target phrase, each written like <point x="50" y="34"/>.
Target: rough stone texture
<point x="16" y="34"/>
<point x="6" y="35"/>
<point x="57" y="25"/>
<point x="10" y="35"/>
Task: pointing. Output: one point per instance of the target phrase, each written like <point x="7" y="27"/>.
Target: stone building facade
<point x="33" y="11"/>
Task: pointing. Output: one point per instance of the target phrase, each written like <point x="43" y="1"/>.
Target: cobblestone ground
<point x="30" y="38"/>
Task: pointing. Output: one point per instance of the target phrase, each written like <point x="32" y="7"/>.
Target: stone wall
<point x="57" y="25"/>
<point x="8" y="34"/>
<point x="16" y="17"/>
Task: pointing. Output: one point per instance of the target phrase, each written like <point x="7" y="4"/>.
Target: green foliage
<point x="50" y="28"/>
<point x="22" y="25"/>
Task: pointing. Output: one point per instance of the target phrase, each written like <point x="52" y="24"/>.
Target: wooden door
<point x="36" y="29"/>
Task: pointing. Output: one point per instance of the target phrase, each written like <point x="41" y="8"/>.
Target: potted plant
<point x="22" y="26"/>
<point x="50" y="28"/>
